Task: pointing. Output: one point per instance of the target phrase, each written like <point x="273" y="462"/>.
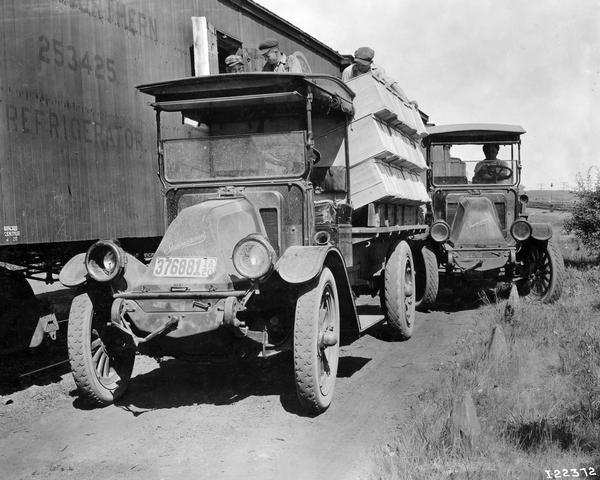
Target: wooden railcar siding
<point x="77" y="141"/>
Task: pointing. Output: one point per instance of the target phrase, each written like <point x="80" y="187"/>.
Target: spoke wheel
<point x="316" y="343"/>
<point x="545" y="272"/>
<point x="101" y="356"/>
<point x="399" y="292"/>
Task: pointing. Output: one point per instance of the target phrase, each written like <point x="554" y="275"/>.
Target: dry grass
<point x="539" y="408"/>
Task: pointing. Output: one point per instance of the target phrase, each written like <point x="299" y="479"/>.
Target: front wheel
<point x="545" y="272"/>
<point x="101" y="356"/>
<point x="316" y="343"/>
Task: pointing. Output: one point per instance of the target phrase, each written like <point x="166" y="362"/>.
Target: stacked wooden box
<point x="386" y="160"/>
<point x="376" y="98"/>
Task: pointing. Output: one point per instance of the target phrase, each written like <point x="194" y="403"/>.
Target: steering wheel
<point x="494" y="171"/>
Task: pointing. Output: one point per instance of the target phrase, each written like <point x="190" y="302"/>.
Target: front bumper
<point x="481" y="259"/>
<point x="192" y="312"/>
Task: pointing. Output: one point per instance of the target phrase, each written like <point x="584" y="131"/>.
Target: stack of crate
<point x="386" y="161"/>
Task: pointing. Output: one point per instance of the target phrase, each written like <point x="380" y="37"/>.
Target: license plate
<point x="202" y="267"/>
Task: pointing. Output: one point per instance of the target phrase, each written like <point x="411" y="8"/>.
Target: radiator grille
<point x="269" y="218"/>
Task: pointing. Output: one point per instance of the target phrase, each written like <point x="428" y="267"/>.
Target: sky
<point x="530" y="63"/>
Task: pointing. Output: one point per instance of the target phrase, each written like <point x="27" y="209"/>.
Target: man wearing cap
<point x="276" y="60"/>
<point x="491" y="169"/>
<point x="363" y="63"/>
<point x="234" y="64"/>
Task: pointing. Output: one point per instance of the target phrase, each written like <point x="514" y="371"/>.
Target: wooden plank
<point x="205" y="46"/>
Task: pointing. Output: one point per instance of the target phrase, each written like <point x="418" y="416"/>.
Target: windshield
<point x="255" y="155"/>
<point x="489" y="164"/>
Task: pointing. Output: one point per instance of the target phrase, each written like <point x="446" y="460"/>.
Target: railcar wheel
<point x="399" y="291"/>
<point x="101" y="356"/>
<point x="427" y="278"/>
<point x="316" y="343"/>
<point x="545" y="271"/>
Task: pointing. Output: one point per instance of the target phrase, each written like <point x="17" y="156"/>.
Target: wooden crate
<point x="373" y="97"/>
<point x="369" y="138"/>
<point x="378" y="181"/>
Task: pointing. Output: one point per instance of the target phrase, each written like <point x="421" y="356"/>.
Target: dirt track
<point x="230" y="421"/>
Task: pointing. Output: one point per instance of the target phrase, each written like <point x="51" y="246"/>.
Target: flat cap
<point x="364" y="55"/>
<point x="232" y="60"/>
<point x="267" y="44"/>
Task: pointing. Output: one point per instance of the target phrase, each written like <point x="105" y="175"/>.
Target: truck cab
<point x="479" y="224"/>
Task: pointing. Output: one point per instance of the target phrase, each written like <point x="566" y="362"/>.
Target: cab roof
<point x="245" y="89"/>
<point x="474" y="133"/>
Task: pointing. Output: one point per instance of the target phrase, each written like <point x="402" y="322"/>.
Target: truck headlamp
<point x="105" y="260"/>
<point x="440" y="231"/>
<point x="253" y="257"/>
<point x="520" y="230"/>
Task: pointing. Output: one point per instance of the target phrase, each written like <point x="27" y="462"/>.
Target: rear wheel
<point x="316" y="343"/>
<point x="427" y="278"/>
<point x="399" y="290"/>
<point x="101" y="356"/>
<point x="545" y="272"/>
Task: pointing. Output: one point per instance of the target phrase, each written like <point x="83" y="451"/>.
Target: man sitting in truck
<point x="363" y="63"/>
<point x="490" y="169"/>
<point x="276" y="60"/>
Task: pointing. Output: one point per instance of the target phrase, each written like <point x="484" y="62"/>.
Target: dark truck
<point x="260" y="253"/>
<point x="479" y="227"/>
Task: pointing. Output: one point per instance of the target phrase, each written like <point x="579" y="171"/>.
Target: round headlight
<point x="440" y="231"/>
<point x="253" y="256"/>
<point x="105" y="260"/>
<point x="520" y="230"/>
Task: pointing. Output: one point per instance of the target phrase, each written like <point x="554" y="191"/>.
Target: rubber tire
<point x="81" y="318"/>
<point x="306" y="350"/>
<point x="427" y="279"/>
<point x="557" y="279"/>
<point x="400" y="318"/>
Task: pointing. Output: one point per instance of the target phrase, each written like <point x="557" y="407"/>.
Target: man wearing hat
<point x="276" y="60"/>
<point x="363" y="63"/>
<point x="234" y="64"/>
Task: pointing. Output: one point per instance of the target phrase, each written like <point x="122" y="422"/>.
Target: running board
<point x="367" y="321"/>
<point x="369" y="311"/>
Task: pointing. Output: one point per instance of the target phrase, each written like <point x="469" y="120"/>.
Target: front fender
<point x="75" y="274"/>
<point x="300" y="264"/>
<point x="541" y="231"/>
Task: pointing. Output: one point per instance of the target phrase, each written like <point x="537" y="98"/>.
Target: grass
<point x="539" y="407"/>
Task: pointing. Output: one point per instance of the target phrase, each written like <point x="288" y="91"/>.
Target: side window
<point x="226" y="45"/>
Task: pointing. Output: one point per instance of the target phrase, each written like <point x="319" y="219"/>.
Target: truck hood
<point x="196" y="251"/>
<point x="476" y="224"/>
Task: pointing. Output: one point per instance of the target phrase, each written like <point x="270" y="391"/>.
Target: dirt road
<point x="229" y="421"/>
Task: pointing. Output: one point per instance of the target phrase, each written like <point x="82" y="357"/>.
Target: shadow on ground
<point x="16" y="366"/>
<point x="175" y="383"/>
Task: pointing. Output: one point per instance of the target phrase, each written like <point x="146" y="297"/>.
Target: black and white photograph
<point x="317" y="240"/>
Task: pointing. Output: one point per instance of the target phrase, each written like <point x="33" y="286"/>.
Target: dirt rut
<point x="231" y="421"/>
